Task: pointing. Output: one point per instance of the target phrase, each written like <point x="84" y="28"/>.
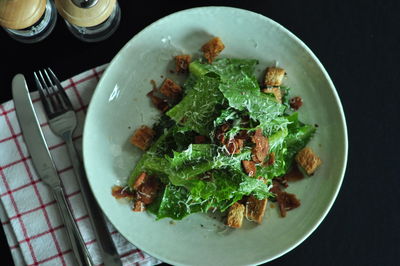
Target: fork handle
<point x="77" y="243"/>
<point x="107" y="248"/>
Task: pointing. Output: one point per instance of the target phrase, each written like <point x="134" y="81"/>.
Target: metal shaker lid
<point x="20" y="14"/>
<point x="85" y="3"/>
<point x="87" y="14"/>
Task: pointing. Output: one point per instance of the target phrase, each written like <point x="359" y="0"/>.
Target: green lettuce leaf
<point x="160" y="147"/>
<point x="192" y="155"/>
<point x="199" y="107"/>
<point x="226" y="68"/>
<point x="223" y="188"/>
<point x="244" y="95"/>
<point x="299" y="134"/>
<point x="200" y="176"/>
<point x="176" y="203"/>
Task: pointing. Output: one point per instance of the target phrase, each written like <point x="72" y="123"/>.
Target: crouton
<point x="170" y="89"/>
<point x="308" y="160"/>
<point x="276" y="91"/>
<point x="142" y="137"/>
<point x="235" y="215"/>
<point x="273" y="76"/>
<point x="182" y="63"/>
<point x="249" y="167"/>
<point x="255" y="209"/>
<point x="212" y="48"/>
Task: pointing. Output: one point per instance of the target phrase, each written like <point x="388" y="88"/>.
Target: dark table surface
<point x="358" y="43"/>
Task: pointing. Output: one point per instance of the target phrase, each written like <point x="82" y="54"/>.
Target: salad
<point x="225" y="142"/>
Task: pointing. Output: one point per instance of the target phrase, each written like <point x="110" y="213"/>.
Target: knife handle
<point x="106" y="244"/>
<point x="77" y="243"/>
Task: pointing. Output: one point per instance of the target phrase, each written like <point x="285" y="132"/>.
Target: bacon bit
<point x="243" y="200"/>
<point x="294" y="174"/>
<point x="234" y="146"/>
<point x="146" y="188"/>
<point x="170" y="89"/>
<point x="199" y="139"/>
<point x="142" y="137"/>
<point x="119" y="192"/>
<point x="182" y="63"/>
<point x="249" y="167"/>
<point x="138" y="206"/>
<point x="271" y="159"/>
<point x="260" y="150"/>
<point x="147" y="191"/>
<point x="140" y="180"/>
<point x="160" y="104"/>
<point x="154" y="84"/>
<point x="276" y="186"/>
<point x="242" y="135"/>
<point x="286" y="201"/>
<point x="296" y="102"/>
<point x="282" y="181"/>
<point x="220" y="133"/>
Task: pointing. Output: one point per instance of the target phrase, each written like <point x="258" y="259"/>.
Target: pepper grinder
<point x="90" y="20"/>
<point x="28" y="21"/>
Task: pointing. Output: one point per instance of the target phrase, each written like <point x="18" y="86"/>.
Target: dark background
<point x="358" y="43"/>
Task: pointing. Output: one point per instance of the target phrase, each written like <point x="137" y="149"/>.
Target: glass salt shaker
<point x="28" y="21"/>
<point x="90" y="20"/>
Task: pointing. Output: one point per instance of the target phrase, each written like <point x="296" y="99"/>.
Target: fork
<point x="63" y="121"/>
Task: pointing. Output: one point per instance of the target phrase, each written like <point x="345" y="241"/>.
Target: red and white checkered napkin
<point x="28" y="211"/>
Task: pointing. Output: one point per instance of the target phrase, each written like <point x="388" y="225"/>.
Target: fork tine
<point x="43" y="97"/>
<point x="56" y="93"/>
<point x="61" y="90"/>
<point x="49" y="93"/>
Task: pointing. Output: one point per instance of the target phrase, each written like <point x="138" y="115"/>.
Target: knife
<point x="44" y="164"/>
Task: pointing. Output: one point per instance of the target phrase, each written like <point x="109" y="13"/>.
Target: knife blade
<point x="32" y="133"/>
<point x="44" y="164"/>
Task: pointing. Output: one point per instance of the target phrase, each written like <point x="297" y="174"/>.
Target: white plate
<point x="120" y="105"/>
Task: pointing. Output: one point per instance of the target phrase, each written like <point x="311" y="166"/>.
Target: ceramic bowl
<point x="119" y="105"/>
